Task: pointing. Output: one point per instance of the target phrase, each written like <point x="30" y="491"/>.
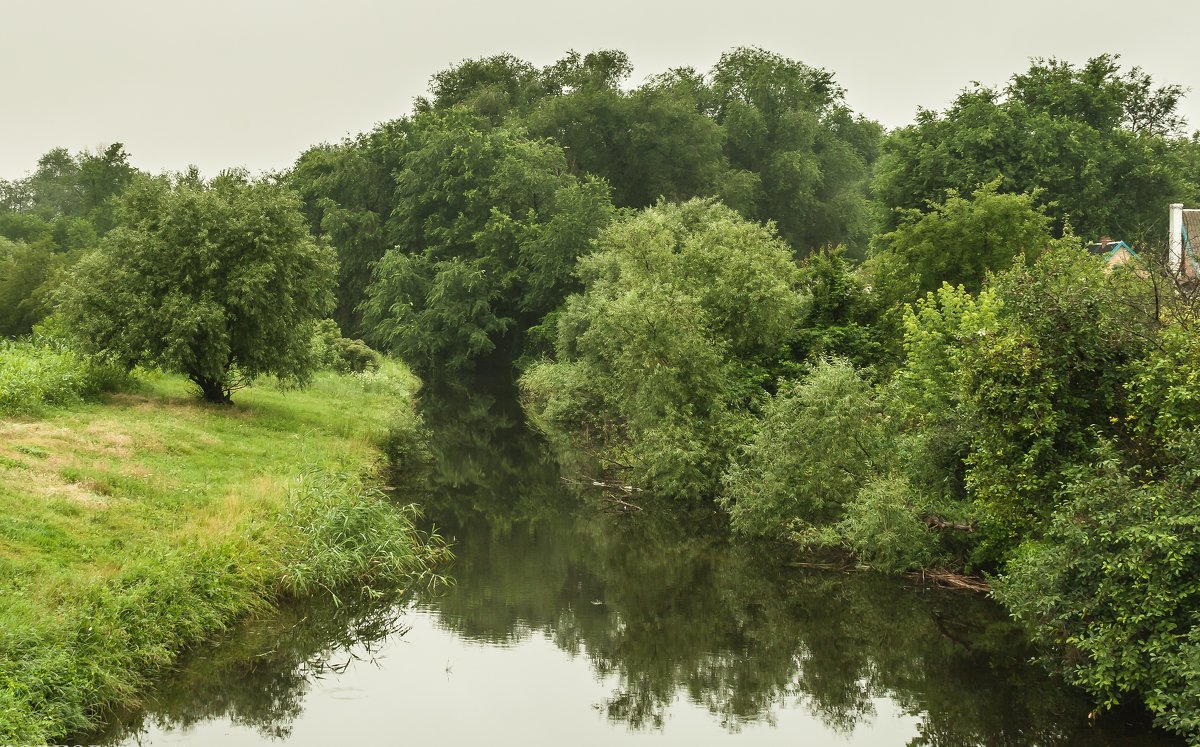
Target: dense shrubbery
<point x="47" y="221"/>
<point x="1113" y="585"/>
<point x="333" y="352"/>
<point x="686" y="317"/>
<point x="43" y="373"/>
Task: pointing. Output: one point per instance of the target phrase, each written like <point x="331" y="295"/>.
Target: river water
<point x="570" y="624"/>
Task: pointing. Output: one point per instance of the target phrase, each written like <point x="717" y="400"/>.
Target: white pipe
<point x="1175" y="247"/>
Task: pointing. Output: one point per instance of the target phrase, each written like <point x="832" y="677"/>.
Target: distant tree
<point x="799" y="156"/>
<point x="957" y="242"/>
<point x="1097" y="145"/>
<point x="486" y="225"/>
<point x="348" y="195"/>
<point x="221" y="282"/>
<point x="27" y="273"/>
<point x="492" y="87"/>
<point x="101" y="178"/>
<point x="654" y="142"/>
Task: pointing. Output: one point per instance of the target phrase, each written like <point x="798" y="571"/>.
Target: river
<point x="569" y="622"/>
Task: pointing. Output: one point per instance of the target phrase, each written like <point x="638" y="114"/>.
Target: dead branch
<point x="950" y="580"/>
<point x="937" y="522"/>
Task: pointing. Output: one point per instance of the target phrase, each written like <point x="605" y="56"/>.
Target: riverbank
<point x="137" y="526"/>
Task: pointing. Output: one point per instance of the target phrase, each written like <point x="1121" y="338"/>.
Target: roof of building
<point x="1107" y="248"/>
<point x="1191" y="229"/>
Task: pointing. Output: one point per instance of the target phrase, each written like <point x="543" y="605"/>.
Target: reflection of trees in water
<point x="260" y="676"/>
<point x="661" y="602"/>
<point x="668" y="606"/>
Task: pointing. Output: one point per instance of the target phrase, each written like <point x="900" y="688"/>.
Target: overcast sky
<point x="252" y="83"/>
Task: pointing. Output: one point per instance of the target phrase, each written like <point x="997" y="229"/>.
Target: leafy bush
<point x="1113" y="587"/>
<point x="333" y="352"/>
<point x="686" y="317"/>
<point x="355" y="356"/>
<point x="818" y="441"/>
<point x="34" y="375"/>
<point x="884" y="523"/>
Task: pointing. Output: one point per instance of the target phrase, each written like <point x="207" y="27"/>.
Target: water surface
<point x="571" y="624"/>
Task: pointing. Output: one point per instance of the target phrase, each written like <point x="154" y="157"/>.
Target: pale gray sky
<point x="252" y="83"/>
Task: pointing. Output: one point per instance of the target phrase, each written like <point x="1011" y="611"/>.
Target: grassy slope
<point x="131" y="528"/>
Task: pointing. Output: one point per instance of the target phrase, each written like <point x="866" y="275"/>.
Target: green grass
<point x="42" y="374"/>
<point x="136" y="526"/>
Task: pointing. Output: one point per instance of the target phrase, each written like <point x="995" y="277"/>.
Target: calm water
<point x="567" y="624"/>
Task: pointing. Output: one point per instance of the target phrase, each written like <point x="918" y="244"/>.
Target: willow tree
<point x="220" y="282"/>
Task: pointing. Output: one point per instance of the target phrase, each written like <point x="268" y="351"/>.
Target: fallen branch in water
<point x="822" y="566"/>
<point x="609" y="487"/>
<point x="624" y="504"/>
<point x="933" y="576"/>
<point x="951" y="580"/>
<point x="591" y="482"/>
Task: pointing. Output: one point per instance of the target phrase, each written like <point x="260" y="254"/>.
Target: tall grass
<point x="134" y="529"/>
<point x="37" y="374"/>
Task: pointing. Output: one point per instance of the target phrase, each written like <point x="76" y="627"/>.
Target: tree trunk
<point x="212" y="390"/>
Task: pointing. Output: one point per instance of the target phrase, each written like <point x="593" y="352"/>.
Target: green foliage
<point x="41" y="374"/>
<point x="491" y="87"/>
<point x="1163" y="390"/>
<point x="818" y="441"/>
<point x="356" y="356"/>
<point x="1098" y="143"/>
<point x="53" y="214"/>
<point x="655" y="142"/>
<point x="926" y="394"/>
<point x="347" y="193"/>
<point x="1002" y="392"/>
<point x="28" y="275"/>
<point x="487" y="226"/>
<point x="1041" y="383"/>
<point x="331" y="351"/>
<point x="844" y="316"/>
<point x="349" y="532"/>
<point x="885" y="524"/>
<point x="958" y="242"/>
<point x="799" y="156"/>
<point x="1112" y="587"/>
<point x="71" y="196"/>
<point x="220" y="282"/>
<point x="686" y="313"/>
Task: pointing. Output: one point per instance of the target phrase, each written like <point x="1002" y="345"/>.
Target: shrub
<point x="34" y="375"/>
<point x="686" y="317"/>
<point x="818" y="441"/>
<point x="1112" y="588"/>
<point x="331" y="351"/>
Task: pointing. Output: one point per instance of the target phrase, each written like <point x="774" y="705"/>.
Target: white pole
<point x="1175" y="248"/>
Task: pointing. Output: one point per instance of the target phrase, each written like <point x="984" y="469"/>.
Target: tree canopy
<point x="219" y="281"/>
<point x="1095" y="143"/>
<point x="487" y="225"/>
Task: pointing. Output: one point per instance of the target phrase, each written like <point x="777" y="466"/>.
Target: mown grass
<point x="136" y="526"/>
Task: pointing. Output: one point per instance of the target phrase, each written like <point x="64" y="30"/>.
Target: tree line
<point x="727" y="286"/>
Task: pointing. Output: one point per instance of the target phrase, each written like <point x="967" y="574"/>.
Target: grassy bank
<point x="133" y="527"/>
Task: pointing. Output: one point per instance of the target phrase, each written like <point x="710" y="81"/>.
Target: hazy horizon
<point x="253" y="84"/>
